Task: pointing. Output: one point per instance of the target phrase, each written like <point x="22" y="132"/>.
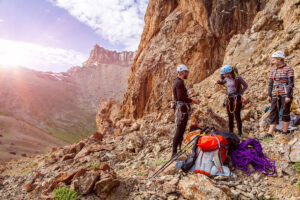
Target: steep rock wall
<point x="195" y="33"/>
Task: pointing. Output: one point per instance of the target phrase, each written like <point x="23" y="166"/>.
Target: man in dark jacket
<point x="182" y="106"/>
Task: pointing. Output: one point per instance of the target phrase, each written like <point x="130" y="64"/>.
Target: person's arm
<point x="270" y="87"/>
<point x="270" y="84"/>
<point x="245" y="85"/>
<point x="182" y="93"/>
<point x="290" y="83"/>
<point x="221" y="82"/>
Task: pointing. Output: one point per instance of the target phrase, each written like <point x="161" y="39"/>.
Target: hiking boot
<point x="285" y="133"/>
<point x="268" y="135"/>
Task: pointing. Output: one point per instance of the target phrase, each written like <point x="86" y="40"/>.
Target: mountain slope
<point x="64" y="104"/>
<point x="134" y="149"/>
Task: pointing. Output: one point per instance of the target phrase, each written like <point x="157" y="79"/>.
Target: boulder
<point x="200" y="187"/>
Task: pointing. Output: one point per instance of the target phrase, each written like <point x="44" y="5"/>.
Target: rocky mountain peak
<point x="101" y="55"/>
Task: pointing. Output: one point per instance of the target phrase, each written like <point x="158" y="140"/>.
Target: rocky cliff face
<point x="195" y="33"/>
<point x="135" y="149"/>
<point x="99" y="55"/>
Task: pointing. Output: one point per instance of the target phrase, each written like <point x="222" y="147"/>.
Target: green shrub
<point x="65" y="193"/>
<point x="159" y="162"/>
<point x="268" y="139"/>
<point x="297" y="166"/>
<point x="141" y="173"/>
<point x="96" y="165"/>
<point x="27" y="171"/>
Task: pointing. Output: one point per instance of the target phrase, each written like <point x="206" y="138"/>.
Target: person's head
<point x="182" y="71"/>
<point x="278" y="58"/>
<point x="227" y="71"/>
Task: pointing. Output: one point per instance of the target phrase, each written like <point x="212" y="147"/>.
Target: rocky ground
<point x="116" y="163"/>
<point x="116" y="166"/>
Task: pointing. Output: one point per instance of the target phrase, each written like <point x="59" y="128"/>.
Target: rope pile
<point x="250" y="152"/>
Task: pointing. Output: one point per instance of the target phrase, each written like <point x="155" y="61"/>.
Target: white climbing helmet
<point x="278" y="54"/>
<point x="181" y="68"/>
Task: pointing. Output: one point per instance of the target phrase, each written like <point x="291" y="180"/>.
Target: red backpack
<point x="212" y="154"/>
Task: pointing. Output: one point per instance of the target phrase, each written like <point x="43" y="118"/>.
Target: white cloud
<point x="118" y="21"/>
<point x="38" y="57"/>
<point x="1" y="20"/>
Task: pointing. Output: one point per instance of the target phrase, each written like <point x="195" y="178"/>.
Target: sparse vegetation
<point x="298" y="184"/>
<point x="96" y="165"/>
<point x="297" y="167"/>
<point x="27" y="171"/>
<point x="141" y="173"/>
<point x="159" y="162"/>
<point x="34" y="164"/>
<point x="65" y="193"/>
<point x="268" y="139"/>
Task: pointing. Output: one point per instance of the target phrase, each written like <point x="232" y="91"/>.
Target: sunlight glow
<point x="38" y="57"/>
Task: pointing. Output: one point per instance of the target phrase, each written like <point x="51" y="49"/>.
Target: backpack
<point x="237" y="81"/>
<point x="209" y="154"/>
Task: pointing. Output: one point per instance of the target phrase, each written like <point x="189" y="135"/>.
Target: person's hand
<point x="269" y="99"/>
<point x="287" y="99"/>
<point x="217" y="82"/>
<point x="243" y="99"/>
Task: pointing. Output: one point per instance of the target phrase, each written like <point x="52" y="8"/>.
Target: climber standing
<point x="280" y="92"/>
<point x="182" y="106"/>
<point x="236" y="87"/>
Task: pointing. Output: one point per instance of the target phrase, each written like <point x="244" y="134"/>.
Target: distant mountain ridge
<point x="63" y="104"/>
<point x="99" y="55"/>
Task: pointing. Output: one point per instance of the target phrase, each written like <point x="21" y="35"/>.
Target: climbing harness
<point x="234" y="104"/>
<point x="277" y="96"/>
<point x="179" y="115"/>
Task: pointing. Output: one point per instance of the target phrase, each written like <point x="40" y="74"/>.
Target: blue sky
<point x="54" y="35"/>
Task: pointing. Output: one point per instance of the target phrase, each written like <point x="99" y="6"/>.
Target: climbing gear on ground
<point x="208" y="155"/>
<point x="226" y="69"/>
<point x="278" y="54"/>
<point x="251" y="152"/>
<point x="233" y="140"/>
<point x="184" y="149"/>
<point x="181" y="68"/>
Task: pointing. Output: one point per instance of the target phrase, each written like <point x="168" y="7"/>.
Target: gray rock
<point x="242" y="187"/>
<point x="257" y="176"/>
<point x="295" y="152"/>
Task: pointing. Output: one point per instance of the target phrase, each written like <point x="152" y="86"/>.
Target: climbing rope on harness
<point x="250" y="152"/>
<point x="228" y="103"/>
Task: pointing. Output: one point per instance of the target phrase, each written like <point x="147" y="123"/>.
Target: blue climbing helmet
<point x="226" y="69"/>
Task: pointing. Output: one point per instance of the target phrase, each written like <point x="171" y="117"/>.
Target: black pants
<point x="234" y="107"/>
<point x="180" y="129"/>
<point x="275" y="108"/>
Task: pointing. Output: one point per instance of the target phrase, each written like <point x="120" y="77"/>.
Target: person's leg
<point x="286" y="109"/>
<point x="184" y="123"/>
<point x="272" y="128"/>
<point x="237" y="114"/>
<point x="274" y="119"/>
<point x="178" y="137"/>
<point x="230" y="107"/>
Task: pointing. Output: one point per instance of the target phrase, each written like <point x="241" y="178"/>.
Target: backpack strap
<point x="218" y="162"/>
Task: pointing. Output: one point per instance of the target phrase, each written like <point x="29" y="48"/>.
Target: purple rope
<point x="250" y="152"/>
